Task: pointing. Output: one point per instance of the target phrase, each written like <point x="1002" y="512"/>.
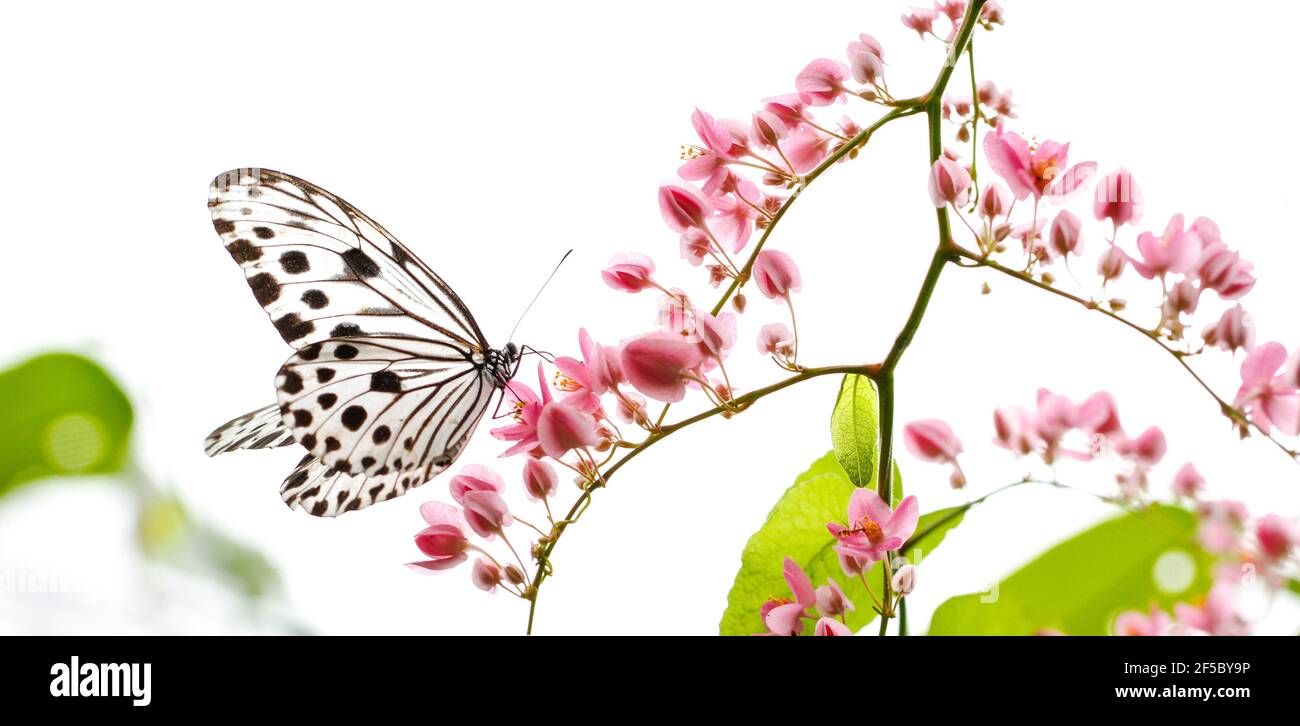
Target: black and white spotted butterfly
<point x="391" y="373"/>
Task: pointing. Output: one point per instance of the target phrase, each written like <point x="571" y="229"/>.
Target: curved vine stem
<point x="1234" y="414"/>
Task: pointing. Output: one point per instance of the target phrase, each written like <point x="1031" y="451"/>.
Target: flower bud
<point x="949" y="183"/>
<point x="775" y="274"/>
<point x="1064" y="238"/>
<point x="514" y="575"/>
<point x="1111" y="264"/>
<point x="1118" y="198"/>
<point x="486" y="575"/>
<point x="629" y="272"/>
<point x="540" y="480"/>
<point x="905" y="579"/>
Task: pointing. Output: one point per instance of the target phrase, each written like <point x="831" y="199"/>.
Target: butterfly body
<point x="390" y="375"/>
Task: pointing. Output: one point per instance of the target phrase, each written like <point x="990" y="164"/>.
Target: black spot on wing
<point x="292" y="327"/>
<point x="353" y="417"/>
<point x="265" y="288"/>
<point x="263" y="232"/>
<point x="327" y="400"/>
<point x="344" y="330"/>
<point x="244" y="251"/>
<point x="294" y="262"/>
<point x="360" y="263"/>
<point x="223" y="226"/>
<point x="381" y="434"/>
<point x="324" y="375"/>
<point x="315" y="299"/>
<point x="386" y="381"/>
<point x="292" y="382"/>
<point x="346" y="352"/>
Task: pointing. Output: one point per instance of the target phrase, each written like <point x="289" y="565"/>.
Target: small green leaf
<point x="796" y="528"/>
<point x="855" y="429"/>
<point x="63" y="415"/>
<point x="1078" y="587"/>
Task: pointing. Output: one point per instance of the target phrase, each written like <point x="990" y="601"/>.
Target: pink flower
<point x="724" y="138"/>
<point x="1183" y="297"/>
<point x="734" y="220"/>
<point x="1217" y="615"/>
<point x="775" y="339"/>
<point x="783" y="616"/>
<point x="443" y="541"/>
<point x="526" y="409"/>
<point x="949" y="183"/>
<point x="921" y="20"/>
<point x="994" y="201"/>
<point x="1064" y="238"/>
<point x="831" y="600"/>
<point x="695" y="245"/>
<point x="1188" y="482"/>
<point x="1176" y="251"/>
<point x="472" y="478"/>
<point x="1277" y="535"/>
<point x="1038" y="170"/>
<point x="683" y="207"/>
<point x="789" y="108"/>
<point x="595" y="375"/>
<point x="1118" y="199"/>
<point x="1232" y="331"/>
<point x="562" y="428"/>
<point x="1148" y="448"/>
<point x="776" y="275"/>
<point x="1219" y="268"/>
<point x="1015" y="429"/>
<point x="716" y="334"/>
<point x="540" y="480"/>
<point x="629" y="272"/>
<point x="486" y="575"/>
<point x="932" y="440"/>
<point x="767" y="129"/>
<point x="805" y="148"/>
<point x="865" y="60"/>
<point x="660" y="364"/>
<point x="1111" y="264"/>
<point x="821" y="82"/>
<point x="873" y="530"/>
<point x="830" y="626"/>
<point x="1098" y="414"/>
<point x="1134" y="623"/>
<point x="1268" y="397"/>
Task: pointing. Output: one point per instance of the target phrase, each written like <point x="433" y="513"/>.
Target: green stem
<point x="933" y="105"/>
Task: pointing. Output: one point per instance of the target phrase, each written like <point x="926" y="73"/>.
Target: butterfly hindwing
<point x="323" y="269"/>
<point x="260" y="429"/>
<point x="383" y="405"/>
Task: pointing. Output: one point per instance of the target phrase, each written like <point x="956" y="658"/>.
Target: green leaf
<point x="855" y="429"/>
<point x="1132" y="561"/>
<point x="63" y="416"/>
<point x="796" y="528"/>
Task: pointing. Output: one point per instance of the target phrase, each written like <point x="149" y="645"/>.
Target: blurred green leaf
<point x="167" y="533"/>
<point x="63" y="416"/>
<point x="796" y="528"/>
<point x="1078" y="586"/>
<point x="855" y="429"/>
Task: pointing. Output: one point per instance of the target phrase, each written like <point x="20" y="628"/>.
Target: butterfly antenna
<point x="539" y="294"/>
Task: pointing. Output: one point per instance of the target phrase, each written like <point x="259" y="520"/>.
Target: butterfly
<point x="390" y="375"/>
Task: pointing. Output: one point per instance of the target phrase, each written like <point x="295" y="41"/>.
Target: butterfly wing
<point x="260" y="429"/>
<point x="378" y="404"/>
<point x="323" y="269"/>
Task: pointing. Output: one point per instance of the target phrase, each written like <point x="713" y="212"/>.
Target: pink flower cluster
<point x="1186" y="260"/>
<point x="874" y="530"/>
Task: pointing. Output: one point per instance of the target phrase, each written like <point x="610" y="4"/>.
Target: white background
<point x="491" y="138"/>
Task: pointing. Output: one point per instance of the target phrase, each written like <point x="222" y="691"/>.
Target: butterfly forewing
<point x="322" y="269"/>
